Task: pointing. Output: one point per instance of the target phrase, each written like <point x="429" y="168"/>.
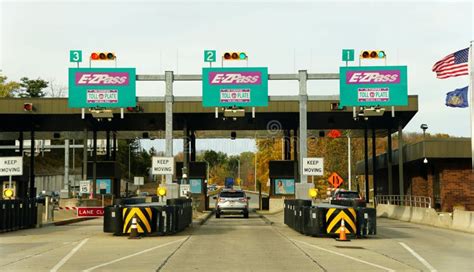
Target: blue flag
<point x="457" y="98"/>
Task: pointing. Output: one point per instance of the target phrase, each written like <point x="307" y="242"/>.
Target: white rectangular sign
<point x="184" y="189"/>
<point x="84" y="186"/>
<point x="138" y="180"/>
<point x="162" y="166"/>
<point x="11" y="166"/>
<point x="313" y="166"/>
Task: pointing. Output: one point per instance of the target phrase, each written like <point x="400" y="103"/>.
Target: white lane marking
<point x="421" y="259"/>
<point x="347" y="256"/>
<point x="68" y="256"/>
<point x="132" y="255"/>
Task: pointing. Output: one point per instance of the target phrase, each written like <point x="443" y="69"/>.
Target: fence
<point x="405" y="200"/>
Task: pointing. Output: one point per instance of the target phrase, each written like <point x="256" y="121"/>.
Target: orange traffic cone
<point x="134" y="230"/>
<point x="342" y="233"/>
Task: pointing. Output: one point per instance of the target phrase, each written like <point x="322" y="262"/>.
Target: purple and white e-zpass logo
<point x="234" y="78"/>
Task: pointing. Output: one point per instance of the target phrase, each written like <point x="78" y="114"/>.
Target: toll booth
<point x="283" y="176"/>
<point x="197" y="180"/>
<point x="107" y="177"/>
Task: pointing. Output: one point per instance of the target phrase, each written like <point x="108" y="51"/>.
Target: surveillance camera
<point x="424" y="126"/>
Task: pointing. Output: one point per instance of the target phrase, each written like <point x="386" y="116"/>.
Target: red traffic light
<point x="102" y="56"/>
<point x="135" y="109"/>
<point x="28" y="106"/>
<point x="227" y="56"/>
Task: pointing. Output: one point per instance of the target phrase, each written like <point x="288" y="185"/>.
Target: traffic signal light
<point x="102" y="56"/>
<point x="8" y="193"/>
<point x="28" y="107"/>
<point x="372" y="54"/>
<point x="235" y="56"/>
<point x="137" y="108"/>
<point x="161" y="191"/>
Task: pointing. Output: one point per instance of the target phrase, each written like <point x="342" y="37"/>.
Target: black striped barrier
<point x="18" y="214"/>
<point x="326" y="219"/>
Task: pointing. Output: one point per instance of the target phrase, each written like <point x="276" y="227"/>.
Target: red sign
<point x="335" y="180"/>
<point x="90" y="211"/>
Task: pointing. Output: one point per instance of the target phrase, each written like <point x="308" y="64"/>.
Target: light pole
<point x="424" y="127"/>
<point x="349" y="160"/>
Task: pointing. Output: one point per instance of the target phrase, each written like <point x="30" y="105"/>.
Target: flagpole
<point x="471" y="105"/>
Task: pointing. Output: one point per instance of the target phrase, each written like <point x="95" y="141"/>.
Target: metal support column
<point x="169" y="119"/>
<point x="66" y="165"/>
<point x="295" y="145"/>
<point x="22" y="191"/>
<point x="185" y="152"/>
<point x="32" y="191"/>
<point x="287" y="145"/>
<point x="84" y="156"/>
<point x="114" y="146"/>
<point x="389" y="162"/>
<point x="374" y="163"/>
<point x="94" y="163"/>
<point x="193" y="146"/>
<point x="366" y="164"/>
<point x="303" y="124"/>
<point x="401" y="186"/>
<point x="107" y="145"/>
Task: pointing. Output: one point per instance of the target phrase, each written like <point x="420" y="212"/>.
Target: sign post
<point x="11" y="166"/>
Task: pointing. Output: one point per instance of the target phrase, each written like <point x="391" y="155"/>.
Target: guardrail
<point x="406" y="200"/>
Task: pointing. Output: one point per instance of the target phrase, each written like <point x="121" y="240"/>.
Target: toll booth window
<point x="232" y="194"/>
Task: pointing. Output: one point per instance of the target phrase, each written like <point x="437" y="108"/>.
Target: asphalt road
<point x="236" y="244"/>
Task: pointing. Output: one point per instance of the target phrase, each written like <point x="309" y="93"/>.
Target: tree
<point x="7" y="88"/>
<point x="32" y="87"/>
<point x="56" y="89"/>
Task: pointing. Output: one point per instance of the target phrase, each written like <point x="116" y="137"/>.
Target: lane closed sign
<point x="11" y="166"/>
<point x="313" y="166"/>
<point x="162" y="166"/>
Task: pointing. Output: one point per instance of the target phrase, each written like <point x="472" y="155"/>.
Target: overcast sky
<point x="284" y="36"/>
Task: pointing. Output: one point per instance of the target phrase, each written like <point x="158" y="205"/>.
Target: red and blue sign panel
<point x="373" y="86"/>
<point x="241" y="87"/>
<point x="102" y="87"/>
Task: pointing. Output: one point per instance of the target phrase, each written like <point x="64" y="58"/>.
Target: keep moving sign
<point x="162" y="166"/>
<point x="11" y="166"/>
<point x="313" y="166"/>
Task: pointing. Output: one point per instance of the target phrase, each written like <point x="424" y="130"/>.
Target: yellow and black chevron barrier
<point x="334" y="217"/>
<point x="144" y="219"/>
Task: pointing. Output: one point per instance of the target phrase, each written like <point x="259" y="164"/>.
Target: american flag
<point x="452" y="65"/>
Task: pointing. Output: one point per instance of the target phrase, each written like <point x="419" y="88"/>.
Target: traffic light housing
<point x="28" y="107"/>
<point x="102" y="56"/>
<point x="8" y="193"/>
<point x="235" y="56"/>
<point x="372" y="54"/>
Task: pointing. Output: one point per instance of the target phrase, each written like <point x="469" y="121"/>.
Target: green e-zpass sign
<point x="102" y="87"/>
<point x="373" y="86"/>
<point x="239" y="87"/>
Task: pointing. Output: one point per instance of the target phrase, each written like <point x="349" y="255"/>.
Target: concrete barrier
<point x="463" y="220"/>
<point x="276" y="204"/>
<point x="459" y="220"/>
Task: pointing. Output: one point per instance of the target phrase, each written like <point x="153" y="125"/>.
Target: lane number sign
<point x="209" y="55"/>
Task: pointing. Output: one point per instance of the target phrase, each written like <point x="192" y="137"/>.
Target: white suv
<point x="232" y="202"/>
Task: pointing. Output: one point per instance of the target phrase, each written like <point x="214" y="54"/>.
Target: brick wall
<point x="457" y="186"/>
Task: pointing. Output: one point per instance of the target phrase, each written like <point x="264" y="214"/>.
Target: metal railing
<point x="406" y="200"/>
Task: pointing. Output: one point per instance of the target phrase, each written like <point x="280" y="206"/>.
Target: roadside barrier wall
<point x="458" y="220"/>
<point x="152" y="218"/>
<point x="18" y="214"/>
<point x="325" y="219"/>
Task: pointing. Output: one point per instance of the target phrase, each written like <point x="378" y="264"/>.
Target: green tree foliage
<point x="31" y="87"/>
<point x="7" y="88"/>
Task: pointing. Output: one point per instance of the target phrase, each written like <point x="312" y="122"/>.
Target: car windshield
<point x="232" y="194"/>
<point x="349" y="194"/>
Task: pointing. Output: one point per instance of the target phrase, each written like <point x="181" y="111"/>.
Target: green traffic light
<point x="242" y="56"/>
<point x="381" y="54"/>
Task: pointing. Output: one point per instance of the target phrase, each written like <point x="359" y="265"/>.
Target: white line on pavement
<point x="132" y="255"/>
<point x="421" y="259"/>
<point x="68" y="256"/>
<point x="347" y="256"/>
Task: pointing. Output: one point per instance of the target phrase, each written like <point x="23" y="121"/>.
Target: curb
<point x="67" y="222"/>
<point x="201" y="221"/>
